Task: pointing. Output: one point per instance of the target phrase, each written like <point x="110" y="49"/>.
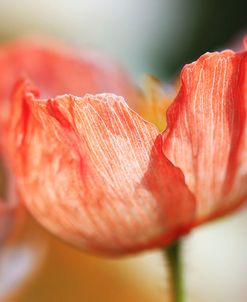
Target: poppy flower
<point x="96" y="174"/>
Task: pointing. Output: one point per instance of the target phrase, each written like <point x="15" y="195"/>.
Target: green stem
<point x="173" y="254"/>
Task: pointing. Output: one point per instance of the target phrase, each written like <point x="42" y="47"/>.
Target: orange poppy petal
<point x="95" y="173"/>
<point x="206" y="135"/>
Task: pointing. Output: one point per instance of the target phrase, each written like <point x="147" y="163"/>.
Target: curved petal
<point x="206" y="135"/>
<point x="95" y="173"/>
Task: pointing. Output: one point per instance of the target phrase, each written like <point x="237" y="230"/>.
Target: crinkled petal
<point x="95" y="173"/>
<point x="206" y="135"/>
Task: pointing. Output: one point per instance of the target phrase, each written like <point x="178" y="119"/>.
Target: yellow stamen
<point x="155" y="102"/>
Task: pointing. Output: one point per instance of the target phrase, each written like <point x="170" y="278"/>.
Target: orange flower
<point x="96" y="174"/>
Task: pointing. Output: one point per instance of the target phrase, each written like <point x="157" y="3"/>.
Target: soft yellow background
<point x="64" y="273"/>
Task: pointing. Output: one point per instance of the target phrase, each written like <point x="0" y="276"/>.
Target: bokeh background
<point x="157" y="37"/>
